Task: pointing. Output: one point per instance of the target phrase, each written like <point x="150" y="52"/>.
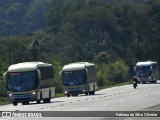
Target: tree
<point x="33" y="50"/>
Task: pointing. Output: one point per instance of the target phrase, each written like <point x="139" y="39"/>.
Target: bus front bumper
<point x="16" y="97"/>
<point x="144" y="79"/>
<point x="74" y="92"/>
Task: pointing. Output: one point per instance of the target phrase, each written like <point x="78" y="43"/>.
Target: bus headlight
<point x="33" y="93"/>
<point x="10" y="94"/>
<point x="65" y="92"/>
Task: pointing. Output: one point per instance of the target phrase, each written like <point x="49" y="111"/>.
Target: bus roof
<point x="147" y="63"/>
<point x="76" y="66"/>
<point x="26" y="66"/>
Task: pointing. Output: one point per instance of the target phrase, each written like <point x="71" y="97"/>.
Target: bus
<point x="146" y="72"/>
<point x="30" y="81"/>
<point x="79" y="78"/>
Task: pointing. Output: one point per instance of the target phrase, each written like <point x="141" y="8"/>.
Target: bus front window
<point x="22" y="81"/>
<point x="143" y="71"/>
<point x="74" y="78"/>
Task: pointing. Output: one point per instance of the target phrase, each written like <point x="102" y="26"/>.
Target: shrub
<point x="108" y="74"/>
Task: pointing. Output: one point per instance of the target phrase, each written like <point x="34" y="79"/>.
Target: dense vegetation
<point x="22" y="16"/>
<point x="113" y="35"/>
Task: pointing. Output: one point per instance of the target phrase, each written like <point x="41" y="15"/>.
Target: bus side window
<point x="154" y="66"/>
<point x="46" y="73"/>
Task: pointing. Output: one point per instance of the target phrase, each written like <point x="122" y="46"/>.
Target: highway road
<point x="146" y="97"/>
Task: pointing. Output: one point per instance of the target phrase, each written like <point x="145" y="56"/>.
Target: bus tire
<point x="86" y="93"/>
<point x="144" y="82"/>
<point x="90" y="93"/>
<point x="23" y="103"/>
<point x="45" y="100"/>
<point x="74" y="94"/>
<point x="38" y="101"/>
<point x="15" y="103"/>
<point x="49" y="100"/>
<point x="68" y="95"/>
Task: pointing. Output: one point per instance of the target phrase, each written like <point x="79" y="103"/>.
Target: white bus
<point x="146" y="72"/>
<point x="79" y="78"/>
<point x="30" y="81"/>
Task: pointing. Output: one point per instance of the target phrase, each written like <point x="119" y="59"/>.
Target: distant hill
<point x="22" y="16"/>
<point x="26" y="16"/>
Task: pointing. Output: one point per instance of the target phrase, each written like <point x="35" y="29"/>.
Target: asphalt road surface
<point x="146" y="97"/>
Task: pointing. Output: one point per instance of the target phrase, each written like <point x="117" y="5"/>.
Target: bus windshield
<point x="22" y="81"/>
<point x="143" y="71"/>
<point x="74" y="78"/>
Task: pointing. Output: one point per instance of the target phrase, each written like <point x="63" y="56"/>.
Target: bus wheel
<point x="144" y="82"/>
<point x="38" y="101"/>
<point x="44" y="100"/>
<point x="74" y="94"/>
<point x="86" y="93"/>
<point x="23" y="103"/>
<point x="48" y="100"/>
<point x="68" y="95"/>
<point x="15" y="103"/>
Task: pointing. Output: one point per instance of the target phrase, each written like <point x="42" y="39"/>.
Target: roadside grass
<point x="4" y="101"/>
<point x="59" y="95"/>
<point x="114" y="85"/>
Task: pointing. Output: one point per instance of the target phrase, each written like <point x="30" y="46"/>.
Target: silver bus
<point x="146" y="72"/>
<point x="30" y="81"/>
<point x="79" y="78"/>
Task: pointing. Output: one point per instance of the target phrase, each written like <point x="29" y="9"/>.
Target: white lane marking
<point x="122" y="101"/>
<point x="83" y="109"/>
<point x="145" y="95"/>
<point x="105" y="105"/>
<point x="135" y="98"/>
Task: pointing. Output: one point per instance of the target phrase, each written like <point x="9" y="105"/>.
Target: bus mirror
<point x="60" y="72"/>
<point x="39" y="74"/>
<point x="5" y="76"/>
<point x="134" y="68"/>
<point x="151" y="68"/>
